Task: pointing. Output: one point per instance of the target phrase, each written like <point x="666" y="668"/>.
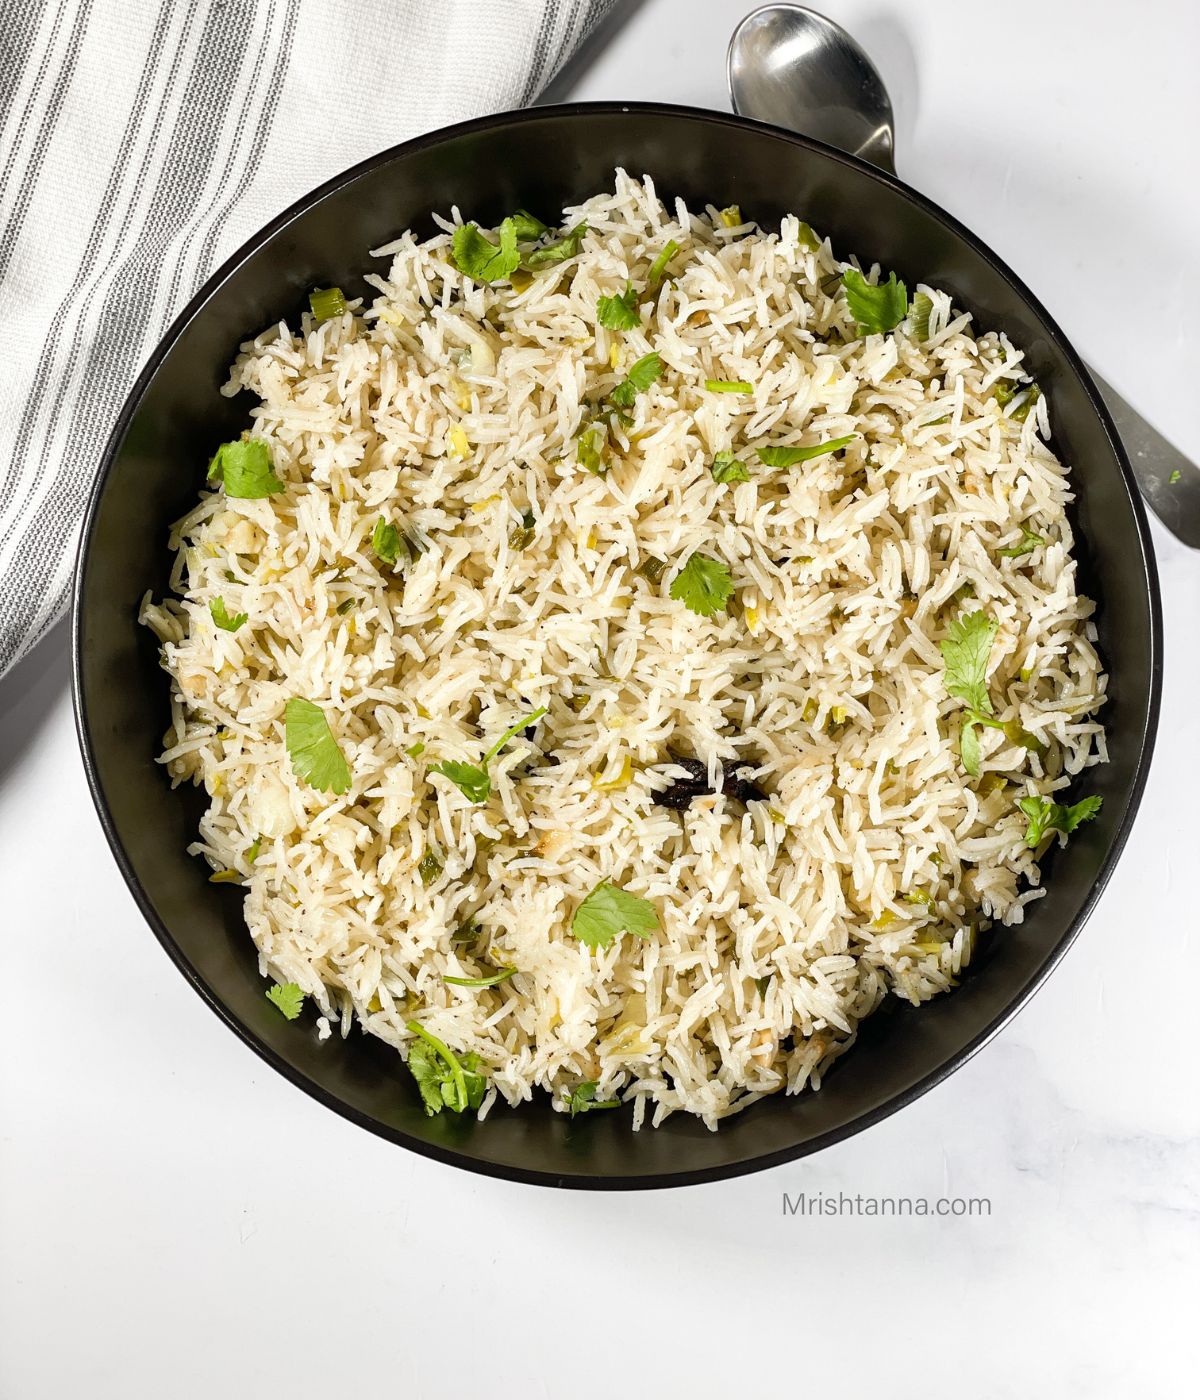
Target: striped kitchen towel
<point x="141" y="141"/>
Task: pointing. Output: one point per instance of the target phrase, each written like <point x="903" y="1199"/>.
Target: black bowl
<point x="154" y="465"/>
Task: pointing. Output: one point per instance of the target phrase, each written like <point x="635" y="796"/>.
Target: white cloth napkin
<point x="141" y="141"/>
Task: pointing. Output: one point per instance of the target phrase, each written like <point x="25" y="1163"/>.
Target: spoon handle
<point x="1169" y="481"/>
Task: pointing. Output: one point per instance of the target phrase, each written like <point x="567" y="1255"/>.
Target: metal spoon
<point x="794" y="68"/>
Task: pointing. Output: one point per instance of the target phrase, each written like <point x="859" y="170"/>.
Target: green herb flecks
<point x="220" y="616"/>
<point x="703" y="585"/>
<point x="790" y="456"/>
<point x="527" y="226"/>
<point x="288" y="998"/>
<point x="1044" y="815"/>
<point x="443" y="1079"/>
<point x="481" y="260"/>
<point x="582" y="1099"/>
<point x="619" y="313"/>
<point x="727" y="468"/>
<point x="876" y="309"/>
<point x="316" y="758"/>
<point x="568" y="246"/>
<point x="966" y="653"/>
<point x="472" y="779"/>
<point x="1028" y="543"/>
<point x="642" y="373"/>
<point x="244" y="469"/>
<point x="608" y="911"/>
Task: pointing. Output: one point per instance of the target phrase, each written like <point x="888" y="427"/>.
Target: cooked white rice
<point x="452" y="408"/>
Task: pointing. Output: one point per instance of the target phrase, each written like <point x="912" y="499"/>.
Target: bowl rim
<point x="88" y="740"/>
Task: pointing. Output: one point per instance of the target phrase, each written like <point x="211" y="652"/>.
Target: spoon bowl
<point x="794" y="68"/>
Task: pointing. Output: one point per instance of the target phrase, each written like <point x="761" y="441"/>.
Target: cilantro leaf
<point x="619" y="313"/>
<point x="704" y="585"/>
<point x="875" y="309"/>
<point x="567" y="247"/>
<point x="608" y="911"/>
<point x="789" y="456"/>
<point x="221" y="616"/>
<point x="966" y="653"/>
<point x="527" y="226"/>
<point x="316" y="758"/>
<point x="482" y="260"/>
<point x="385" y="541"/>
<point x="582" y="1099"/>
<point x="430" y="1072"/>
<point x="1029" y="542"/>
<point x="444" y="1081"/>
<point x="1044" y="814"/>
<point x="472" y="779"/>
<point x="288" y="998"/>
<point x="642" y="373"/>
<point x="244" y="469"/>
<point x="726" y="467"/>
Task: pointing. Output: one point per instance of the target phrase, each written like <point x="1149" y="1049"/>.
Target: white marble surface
<point x="176" y="1220"/>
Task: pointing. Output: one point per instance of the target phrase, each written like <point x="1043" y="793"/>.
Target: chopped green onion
<point x="659" y="265"/>
<point x="918" y="316"/>
<point x="1021" y="412"/>
<point x="415" y="750"/>
<point x="729" y="386"/>
<point x="589" y="448"/>
<point x="521" y="536"/>
<point x="344" y="608"/>
<point x="429" y="868"/>
<point x="327" y="303"/>
<point x="731" y="216"/>
<point x="652" y="569"/>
